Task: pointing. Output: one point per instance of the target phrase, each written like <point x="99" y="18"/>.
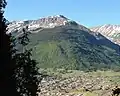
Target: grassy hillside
<point x="72" y="48"/>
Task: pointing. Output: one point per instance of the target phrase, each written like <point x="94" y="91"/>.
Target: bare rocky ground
<point x="78" y="83"/>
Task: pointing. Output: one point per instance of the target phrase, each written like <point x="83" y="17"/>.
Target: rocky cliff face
<point x="112" y="32"/>
<point x="47" y="22"/>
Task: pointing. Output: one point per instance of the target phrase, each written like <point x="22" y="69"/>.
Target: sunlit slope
<point x="72" y="48"/>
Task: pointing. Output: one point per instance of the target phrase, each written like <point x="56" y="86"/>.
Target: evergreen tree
<point x="18" y="71"/>
<point x="7" y="82"/>
<point x="26" y="72"/>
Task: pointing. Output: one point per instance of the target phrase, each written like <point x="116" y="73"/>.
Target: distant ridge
<point x="112" y="32"/>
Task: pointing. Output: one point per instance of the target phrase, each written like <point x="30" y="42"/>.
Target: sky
<point x="87" y="12"/>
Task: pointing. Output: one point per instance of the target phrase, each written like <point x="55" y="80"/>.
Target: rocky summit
<point x="112" y="32"/>
<point x="47" y="22"/>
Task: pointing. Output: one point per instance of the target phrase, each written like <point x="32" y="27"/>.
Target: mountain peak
<point x="45" y="22"/>
<point x="51" y="21"/>
<point x="58" y="16"/>
<point x="112" y="32"/>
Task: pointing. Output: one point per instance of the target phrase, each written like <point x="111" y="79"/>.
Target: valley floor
<point x="77" y="83"/>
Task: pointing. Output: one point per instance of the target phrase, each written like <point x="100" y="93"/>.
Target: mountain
<point x="47" y="22"/>
<point x="59" y="42"/>
<point x="112" y="32"/>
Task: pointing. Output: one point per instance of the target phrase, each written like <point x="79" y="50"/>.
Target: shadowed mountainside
<point x="72" y="48"/>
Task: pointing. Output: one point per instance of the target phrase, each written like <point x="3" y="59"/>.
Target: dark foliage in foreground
<point x="18" y="71"/>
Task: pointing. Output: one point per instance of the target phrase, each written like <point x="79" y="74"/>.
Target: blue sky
<point x="87" y="12"/>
